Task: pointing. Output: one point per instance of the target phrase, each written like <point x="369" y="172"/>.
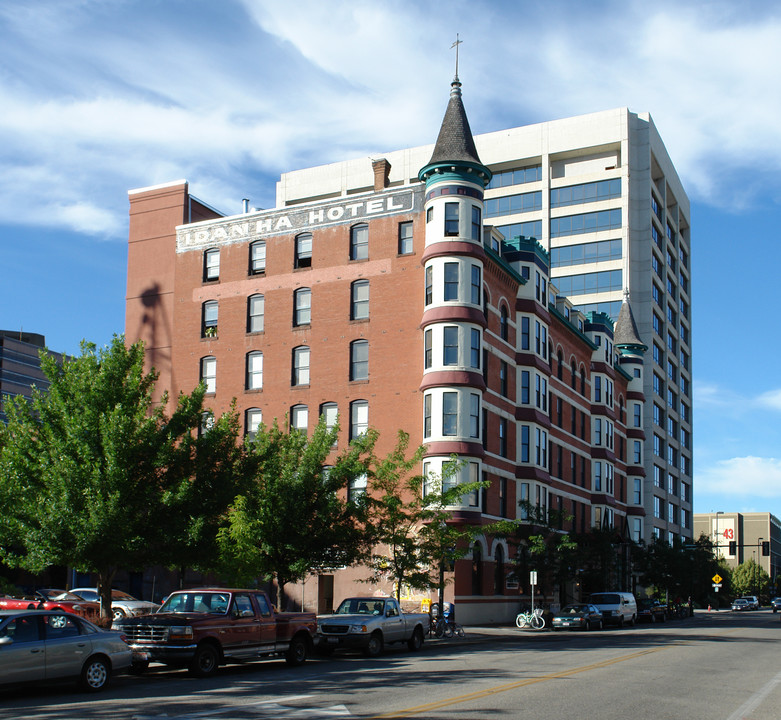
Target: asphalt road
<point x="717" y="666"/>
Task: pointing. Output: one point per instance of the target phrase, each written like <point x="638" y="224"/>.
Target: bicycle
<point x="441" y="628"/>
<point x="534" y="620"/>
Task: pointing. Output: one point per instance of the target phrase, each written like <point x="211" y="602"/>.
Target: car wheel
<point x="118" y="613"/>
<point x="588" y="625"/>
<point x="633" y="620"/>
<point x="600" y="626"/>
<point x="416" y="641"/>
<point x="205" y="661"/>
<point x="297" y="652"/>
<point x="139" y="668"/>
<point x="621" y="622"/>
<point x="95" y="674"/>
<point x="374" y="648"/>
<point x="653" y="618"/>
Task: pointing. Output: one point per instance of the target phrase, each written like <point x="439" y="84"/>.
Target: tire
<point x="520" y="620"/>
<point x="374" y="648"/>
<point x="621" y="623"/>
<point x="588" y="625"/>
<point x="538" y="622"/>
<point x="600" y="626"/>
<point x="416" y="641"/>
<point x="633" y="620"/>
<point x="653" y="618"/>
<point x="118" y="613"/>
<point x="139" y="668"/>
<point x="205" y="661"/>
<point x="460" y="631"/>
<point x="297" y="652"/>
<point x="95" y="674"/>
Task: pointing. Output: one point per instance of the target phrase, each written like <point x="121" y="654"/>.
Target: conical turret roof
<point x="625" y="331"/>
<point x="455" y="142"/>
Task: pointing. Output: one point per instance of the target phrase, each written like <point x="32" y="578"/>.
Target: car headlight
<point x="358" y="629"/>
<point x="180" y="632"/>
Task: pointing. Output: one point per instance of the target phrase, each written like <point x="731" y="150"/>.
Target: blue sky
<point x="101" y="96"/>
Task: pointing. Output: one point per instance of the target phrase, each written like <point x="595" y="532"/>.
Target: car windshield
<point x="119" y="595"/>
<point x="197" y="602"/>
<point x="645" y="602"/>
<point x="573" y="609"/>
<point x="59" y="595"/>
<point x="361" y="606"/>
<point x="606" y="599"/>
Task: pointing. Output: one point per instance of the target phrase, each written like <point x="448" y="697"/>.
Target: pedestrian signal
<point x="733" y="547"/>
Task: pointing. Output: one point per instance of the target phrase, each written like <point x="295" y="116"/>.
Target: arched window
<point x="477" y="570"/>
<point x="582" y="380"/>
<point x="359" y="242"/>
<point x="209" y="373"/>
<point x="499" y="570"/>
<point x="359" y="360"/>
<point x="359" y="300"/>
<point x="209" y="315"/>
<point x="211" y="264"/>
<point x="299" y="418"/>
<point x="300" y="375"/>
<point x="504" y="323"/>
<point x="359" y="418"/>
<point x="574" y="371"/>
<point x="252" y="419"/>
<point x="303" y="257"/>
<point x="257" y="257"/>
<point x="302" y="307"/>
<point x="254" y="370"/>
<point x="256" y="309"/>
<point x="560" y="368"/>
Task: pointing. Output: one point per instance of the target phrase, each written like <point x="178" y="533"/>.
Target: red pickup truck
<point x="206" y="627"/>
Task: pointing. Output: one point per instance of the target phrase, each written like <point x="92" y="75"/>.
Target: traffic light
<point x="733" y="547"/>
<point x="766" y="547"/>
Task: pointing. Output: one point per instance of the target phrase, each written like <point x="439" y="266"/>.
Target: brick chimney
<point x="381" y="169"/>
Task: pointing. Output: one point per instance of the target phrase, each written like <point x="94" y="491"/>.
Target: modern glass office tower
<point x="602" y="196"/>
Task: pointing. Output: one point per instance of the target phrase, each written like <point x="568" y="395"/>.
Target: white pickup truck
<point x="370" y="623"/>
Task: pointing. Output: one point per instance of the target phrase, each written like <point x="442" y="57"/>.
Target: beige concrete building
<point x="600" y="193"/>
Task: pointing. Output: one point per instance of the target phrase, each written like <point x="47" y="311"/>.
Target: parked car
<point x="122" y="604"/>
<point x="578" y="615"/>
<point x="50" y="599"/>
<point x="752" y="600"/>
<point x="651" y="609"/>
<point x="740" y="604"/>
<point x="369" y="623"/>
<point x="617" y="608"/>
<point x="203" y="628"/>
<point x="44" y="645"/>
<point x="775" y="603"/>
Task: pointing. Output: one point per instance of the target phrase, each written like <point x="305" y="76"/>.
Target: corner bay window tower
<point x="453" y="319"/>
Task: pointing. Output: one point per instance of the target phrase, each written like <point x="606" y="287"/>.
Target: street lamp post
<point x="759" y="560"/>
<point x="718" y="512"/>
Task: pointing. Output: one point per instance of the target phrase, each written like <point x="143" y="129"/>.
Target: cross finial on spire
<point x="455" y="45"/>
<point x="626" y="294"/>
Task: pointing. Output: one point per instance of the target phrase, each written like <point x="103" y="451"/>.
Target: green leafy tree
<point x="749" y="578"/>
<point x="97" y="477"/>
<point x="290" y="517"/>
<point x="414" y="534"/>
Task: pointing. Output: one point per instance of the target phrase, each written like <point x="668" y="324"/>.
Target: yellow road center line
<point x="458" y="699"/>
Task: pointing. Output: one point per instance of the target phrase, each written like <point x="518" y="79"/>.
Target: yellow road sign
<point x="717" y="578"/>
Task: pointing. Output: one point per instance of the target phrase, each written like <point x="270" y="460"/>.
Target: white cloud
<point x="770" y="399"/>
<point x="741" y="476"/>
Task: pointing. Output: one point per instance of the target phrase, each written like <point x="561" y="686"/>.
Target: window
<point x="256" y="308"/>
<point x="476" y="285"/>
<point x="450" y="345"/>
<point x="405" y="238"/>
<point x="254" y="379"/>
<point x="299" y="418"/>
<point x="525" y="443"/>
<point x="477" y="223"/>
<point x="429" y="281"/>
<point x="359" y="418"/>
<point x="257" y="257"/>
<point x="427" y="351"/>
<point x="356" y="488"/>
<point x="597" y="431"/>
<point x="637" y="495"/>
<point x="359" y="360"/>
<point x="427" y="415"/>
<point x="329" y="412"/>
<point x="451" y="219"/>
<point x="359" y="300"/>
<point x="585" y="193"/>
<point x="499" y="552"/>
<point x="585" y="223"/>
<point x="211" y="265"/>
<point x="637" y="456"/>
<point x="504" y="324"/>
<point x="303" y="253"/>
<point x="474" y="353"/>
<point x="597" y="476"/>
<point x="207" y="422"/>
<point x="450" y="413"/>
<point x="637" y="419"/>
<point x="525" y="387"/>
<point x="503" y="437"/>
<point x="301" y="366"/>
<point x="451" y="281"/>
<point x="513" y="204"/>
<point x="302" y="307"/>
<point x="209" y="373"/>
<point x="209" y="312"/>
<point x="359" y="242"/>
<point x="429" y="214"/>
<point x="252" y="419"/>
<point x="503" y="378"/>
<point x="474" y="415"/>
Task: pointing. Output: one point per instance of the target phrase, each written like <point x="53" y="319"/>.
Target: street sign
<point x="533" y="577"/>
<point x="716" y="579"/>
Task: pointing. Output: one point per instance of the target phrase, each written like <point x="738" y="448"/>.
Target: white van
<point x="617" y="608"/>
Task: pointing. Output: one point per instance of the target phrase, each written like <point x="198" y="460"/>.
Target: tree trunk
<point x="105" y="580"/>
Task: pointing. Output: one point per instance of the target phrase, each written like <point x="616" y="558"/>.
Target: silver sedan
<point x="43" y="645"/>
